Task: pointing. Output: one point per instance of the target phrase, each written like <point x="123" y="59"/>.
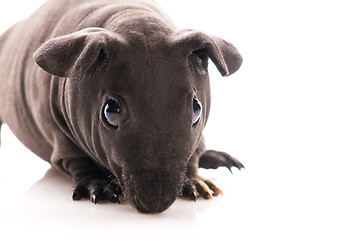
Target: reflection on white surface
<point x="280" y="200"/>
<point x="36" y="200"/>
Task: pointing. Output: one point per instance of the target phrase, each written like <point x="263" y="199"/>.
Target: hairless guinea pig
<point x="119" y="101"/>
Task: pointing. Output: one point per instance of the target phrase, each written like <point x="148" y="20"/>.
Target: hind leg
<point x="214" y="159"/>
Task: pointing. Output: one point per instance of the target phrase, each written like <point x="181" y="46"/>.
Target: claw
<point x="193" y="196"/>
<point x="198" y="187"/>
<point x="215" y="190"/>
<point x="94" y="198"/>
<point x="203" y="189"/>
<point x="229" y="168"/>
<point x="115" y="198"/>
<point x="96" y="189"/>
<point x="76" y="196"/>
<point x="209" y="196"/>
<point x="119" y="190"/>
<point x="219" y="191"/>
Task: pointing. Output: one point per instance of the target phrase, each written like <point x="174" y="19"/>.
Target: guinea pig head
<point x="137" y="104"/>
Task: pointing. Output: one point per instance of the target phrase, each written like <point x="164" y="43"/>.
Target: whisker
<point x="114" y="180"/>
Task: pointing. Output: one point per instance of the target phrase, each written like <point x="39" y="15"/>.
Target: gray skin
<point x="92" y="54"/>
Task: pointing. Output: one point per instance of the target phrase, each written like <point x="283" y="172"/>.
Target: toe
<point x="114" y="198"/>
<point x="203" y="189"/>
<point x="94" y="198"/>
<point x="189" y="191"/>
<point x="198" y="187"/>
<point x="79" y="192"/>
<point x="76" y="195"/>
<point x="231" y="161"/>
<point x="96" y="190"/>
<point x="216" y="191"/>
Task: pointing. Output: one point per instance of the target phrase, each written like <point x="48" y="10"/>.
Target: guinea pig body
<point x="111" y="93"/>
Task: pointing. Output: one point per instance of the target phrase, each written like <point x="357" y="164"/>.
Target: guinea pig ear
<point x="72" y="55"/>
<point x="223" y="54"/>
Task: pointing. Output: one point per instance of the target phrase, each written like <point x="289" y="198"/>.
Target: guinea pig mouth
<point x="152" y="191"/>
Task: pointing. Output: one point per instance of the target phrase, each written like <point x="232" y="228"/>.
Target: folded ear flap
<point x="222" y="53"/>
<point x="72" y="55"/>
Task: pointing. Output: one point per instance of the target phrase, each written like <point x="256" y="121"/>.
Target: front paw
<point x="96" y="188"/>
<point x="214" y="159"/>
<point x="198" y="187"/>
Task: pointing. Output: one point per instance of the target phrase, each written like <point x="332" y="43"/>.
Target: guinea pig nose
<point x="197" y="111"/>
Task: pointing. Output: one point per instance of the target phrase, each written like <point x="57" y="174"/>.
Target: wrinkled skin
<point x="131" y="55"/>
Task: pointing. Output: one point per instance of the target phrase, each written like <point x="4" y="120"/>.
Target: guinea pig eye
<point x="112" y="112"/>
<point x="197" y="110"/>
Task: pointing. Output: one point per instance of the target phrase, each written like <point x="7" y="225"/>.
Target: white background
<point x="291" y="115"/>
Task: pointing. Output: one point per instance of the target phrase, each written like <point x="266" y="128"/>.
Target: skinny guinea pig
<point x="111" y="93"/>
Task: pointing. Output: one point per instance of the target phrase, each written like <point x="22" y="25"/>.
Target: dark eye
<point x="112" y="112"/>
<point x="197" y="110"/>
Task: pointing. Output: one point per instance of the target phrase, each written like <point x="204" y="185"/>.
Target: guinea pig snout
<point x="153" y="191"/>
